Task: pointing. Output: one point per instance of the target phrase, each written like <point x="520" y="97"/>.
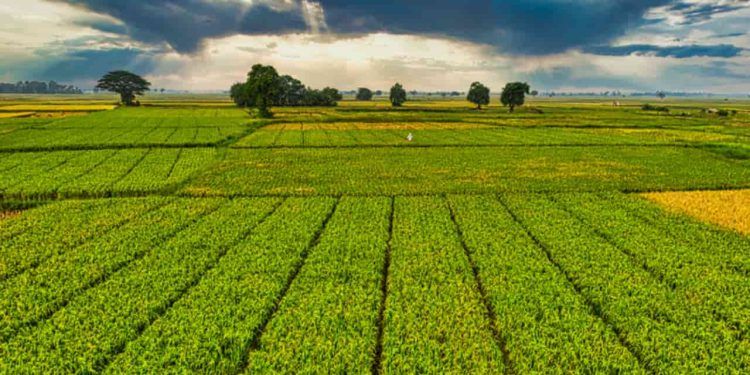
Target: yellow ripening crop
<point x="728" y="208"/>
<point x="58" y="107"/>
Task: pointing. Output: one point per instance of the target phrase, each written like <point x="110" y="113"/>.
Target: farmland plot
<point x="521" y="283"/>
<point x="465" y="170"/>
<point x="314" y="242"/>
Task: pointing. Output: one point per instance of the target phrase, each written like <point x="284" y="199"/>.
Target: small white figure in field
<point x="410" y="137"/>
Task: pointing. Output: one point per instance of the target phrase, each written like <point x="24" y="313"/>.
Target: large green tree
<point x="398" y="95"/>
<point x="125" y="83"/>
<point x="479" y="94"/>
<point x="514" y="94"/>
<point x="262" y="88"/>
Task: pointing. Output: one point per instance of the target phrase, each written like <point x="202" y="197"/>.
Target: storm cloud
<point x="521" y="27"/>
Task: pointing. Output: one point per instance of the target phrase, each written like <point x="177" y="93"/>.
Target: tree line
<point x="265" y="88"/>
<point x="38" y="87"/>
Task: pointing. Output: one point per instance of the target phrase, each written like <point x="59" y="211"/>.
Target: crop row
<point x="69" y="225"/>
<point x="546" y="325"/>
<point x="516" y="283"/>
<point x="96" y="325"/>
<point x="96" y="138"/>
<point x="387" y="171"/>
<point x="665" y="329"/>
<point x="364" y="134"/>
<point x="99" y="173"/>
<point x="39" y="292"/>
<point x="212" y="328"/>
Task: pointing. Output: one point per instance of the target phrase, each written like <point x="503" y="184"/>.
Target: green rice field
<point x="186" y="236"/>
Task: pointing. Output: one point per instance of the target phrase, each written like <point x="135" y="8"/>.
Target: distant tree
<point x="262" y="88"/>
<point x="479" y="94"/>
<point x="321" y="98"/>
<point x="364" y="93"/>
<point x="514" y="94"/>
<point x="332" y="93"/>
<point x="661" y="94"/>
<point x="534" y="93"/>
<point x="125" y="83"/>
<point x="380" y="93"/>
<point x="398" y="95"/>
<point x="161" y="90"/>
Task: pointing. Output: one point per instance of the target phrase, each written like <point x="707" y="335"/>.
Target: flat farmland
<point x="185" y="236"/>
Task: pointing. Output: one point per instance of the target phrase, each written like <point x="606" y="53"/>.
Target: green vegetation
<point x="183" y="236"/>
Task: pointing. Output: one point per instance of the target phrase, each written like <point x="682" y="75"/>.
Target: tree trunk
<point x="512" y="107"/>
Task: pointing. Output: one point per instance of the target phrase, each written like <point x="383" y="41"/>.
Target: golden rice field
<point x="727" y="208"/>
<point x="57" y="107"/>
<point x="15" y="114"/>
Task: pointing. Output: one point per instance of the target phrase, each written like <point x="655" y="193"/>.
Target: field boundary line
<point x="594" y="308"/>
<point x="96" y="282"/>
<point x="161" y="312"/>
<point x="477" y="145"/>
<point x="261" y="328"/>
<point x="489" y="310"/>
<point x="377" y="362"/>
<point x="130" y="170"/>
<point x="174" y="163"/>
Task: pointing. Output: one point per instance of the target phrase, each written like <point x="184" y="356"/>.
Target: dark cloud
<point x="185" y="24"/>
<point x="89" y="65"/>
<point x="519" y="27"/>
<point x="701" y="12"/>
<point x="534" y="27"/>
<point x="103" y="25"/>
<point x="680" y="52"/>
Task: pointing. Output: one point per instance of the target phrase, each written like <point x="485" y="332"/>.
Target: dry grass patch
<point x="9" y="214"/>
<point x="728" y="208"/>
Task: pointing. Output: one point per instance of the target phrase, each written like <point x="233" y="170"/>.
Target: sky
<point x="560" y="45"/>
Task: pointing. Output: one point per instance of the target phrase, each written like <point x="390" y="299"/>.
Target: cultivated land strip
<point x="199" y="333"/>
<point x="36" y="295"/>
<point x="666" y="332"/>
<point x="434" y="319"/>
<point x="329" y="314"/>
<point x="97" y="325"/>
<point x="592" y="305"/>
<point x="331" y="245"/>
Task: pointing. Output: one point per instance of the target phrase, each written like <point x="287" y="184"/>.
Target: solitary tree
<point x="261" y="88"/>
<point x="127" y="84"/>
<point x="514" y="94"/>
<point x="661" y="94"/>
<point x="398" y="95"/>
<point x="479" y="94"/>
<point x="364" y="94"/>
<point x="534" y="93"/>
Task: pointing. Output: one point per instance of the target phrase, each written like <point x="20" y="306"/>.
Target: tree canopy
<point x="398" y="95"/>
<point x="262" y="87"/>
<point x="363" y="93"/>
<point x="265" y="88"/>
<point x="514" y="94"/>
<point x="479" y="94"/>
<point x="125" y="83"/>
